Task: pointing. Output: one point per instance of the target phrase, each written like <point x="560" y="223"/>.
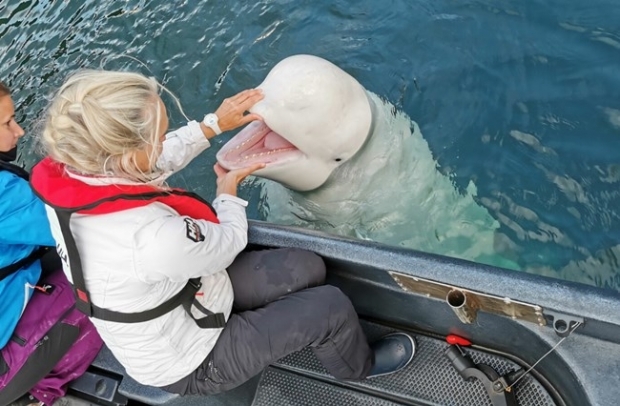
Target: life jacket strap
<point x="34" y="255"/>
<point x="186" y="297"/>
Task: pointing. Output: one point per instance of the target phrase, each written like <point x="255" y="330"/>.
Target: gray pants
<point x="280" y="307"/>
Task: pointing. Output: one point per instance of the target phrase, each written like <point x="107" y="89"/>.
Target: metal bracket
<point x="563" y="324"/>
<point x="465" y="303"/>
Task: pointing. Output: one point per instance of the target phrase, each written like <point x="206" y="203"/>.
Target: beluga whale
<point x="300" y="113"/>
<point x="342" y="160"/>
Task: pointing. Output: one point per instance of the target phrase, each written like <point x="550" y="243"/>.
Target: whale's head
<point x="316" y="117"/>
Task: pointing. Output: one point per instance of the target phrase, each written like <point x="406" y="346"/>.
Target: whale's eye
<point x="338" y="159"/>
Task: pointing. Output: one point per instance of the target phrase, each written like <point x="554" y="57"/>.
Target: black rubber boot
<point x="391" y="354"/>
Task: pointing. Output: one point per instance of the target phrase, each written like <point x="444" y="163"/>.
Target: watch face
<point x="211" y="119"/>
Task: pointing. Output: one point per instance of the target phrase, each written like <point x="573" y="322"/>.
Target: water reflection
<point x="520" y="98"/>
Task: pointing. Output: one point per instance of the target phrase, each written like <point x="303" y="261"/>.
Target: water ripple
<point x="522" y="98"/>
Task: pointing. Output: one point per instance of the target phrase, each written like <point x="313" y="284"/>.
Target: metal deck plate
<point x="479" y="301"/>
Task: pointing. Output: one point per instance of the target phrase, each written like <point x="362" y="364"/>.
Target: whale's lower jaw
<point x="302" y="175"/>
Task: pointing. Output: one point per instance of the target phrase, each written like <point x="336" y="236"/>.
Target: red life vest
<point x="60" y="191"/>
<point x="67" y="196"/>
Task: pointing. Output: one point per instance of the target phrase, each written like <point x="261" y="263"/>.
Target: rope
<point x="509" y="388"/>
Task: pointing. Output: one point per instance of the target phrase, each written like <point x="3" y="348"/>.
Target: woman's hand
<point x="231" y="114"/>
<point x="227" y="181"/>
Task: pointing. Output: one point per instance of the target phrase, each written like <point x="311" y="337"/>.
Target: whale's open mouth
<point x="257" y="143"/>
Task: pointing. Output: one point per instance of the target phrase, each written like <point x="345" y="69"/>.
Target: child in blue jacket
<point x="24" y="225"/>
<point x="25" y="253"/>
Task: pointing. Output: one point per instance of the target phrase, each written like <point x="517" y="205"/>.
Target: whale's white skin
<point x="392" y="192"/>
<point x="349" y="176"/>
<point x="324" y="113"/>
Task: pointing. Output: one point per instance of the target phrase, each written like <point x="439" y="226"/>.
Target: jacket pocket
<point x="43" y="311"/>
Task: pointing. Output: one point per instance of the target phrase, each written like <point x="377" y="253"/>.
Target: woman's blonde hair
<point x="99" y="119"/>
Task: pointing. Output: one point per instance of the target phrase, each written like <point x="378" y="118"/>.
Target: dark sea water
<point x="520" y="97"/>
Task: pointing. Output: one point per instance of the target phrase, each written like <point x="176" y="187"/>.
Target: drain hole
<point x="456" y="298"/>
<point x="561" y="326"/>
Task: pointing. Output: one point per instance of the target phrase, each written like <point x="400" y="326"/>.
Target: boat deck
<point x="300" y="379"/>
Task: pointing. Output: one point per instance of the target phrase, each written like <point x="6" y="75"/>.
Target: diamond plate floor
<point x="429" y="380"/>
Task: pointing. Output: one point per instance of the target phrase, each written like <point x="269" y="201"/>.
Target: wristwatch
<point x="211" y="121"/>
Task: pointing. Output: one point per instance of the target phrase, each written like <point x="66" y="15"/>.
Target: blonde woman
<point x="160" y="270"/>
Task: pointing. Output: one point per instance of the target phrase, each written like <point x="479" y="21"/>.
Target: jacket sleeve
<point x="179" y="248"/>
<point x="181" y="146"/>
<point x="22" y="214"/>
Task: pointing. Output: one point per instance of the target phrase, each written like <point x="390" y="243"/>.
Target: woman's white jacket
<point x="136" y="259"/>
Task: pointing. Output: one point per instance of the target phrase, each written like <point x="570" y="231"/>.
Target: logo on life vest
<point x="62" y="255"/>
<point x="193" y="231"/>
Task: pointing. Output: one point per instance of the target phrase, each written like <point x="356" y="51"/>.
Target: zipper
<point x="41" y="341"/>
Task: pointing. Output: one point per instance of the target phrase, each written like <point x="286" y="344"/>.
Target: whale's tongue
<point x="274" y="141"/>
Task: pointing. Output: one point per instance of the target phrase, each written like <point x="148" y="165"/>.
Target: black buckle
<point x="195" y="283"/>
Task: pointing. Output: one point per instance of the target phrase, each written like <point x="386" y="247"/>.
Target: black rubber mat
<point x="429" y="380"/>
<point x="281" y="388"/>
